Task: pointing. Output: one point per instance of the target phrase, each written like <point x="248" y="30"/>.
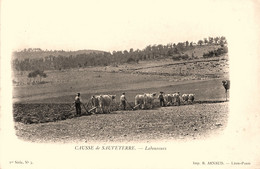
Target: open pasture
<point x="61" y="86"/>
<point x="203" y="90"/>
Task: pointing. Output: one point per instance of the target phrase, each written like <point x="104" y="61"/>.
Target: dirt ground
<point x="189" y="122"/>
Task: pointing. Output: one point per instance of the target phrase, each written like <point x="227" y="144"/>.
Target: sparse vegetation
<point x="218" y="52"/>
<point x="32" y="59"/>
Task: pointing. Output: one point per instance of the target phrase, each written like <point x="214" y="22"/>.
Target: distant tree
<point x="32" y="75"/>
<point x="169" y="46"/>
<point x="222" y="40"/>
<point x="200" y="42"/>
<point x="114" y="53"/>
<point x="125" y="52"/>
<point x="170" y="52"/>
<point x="206" y="41"/>
<point x="211" y="40"/>
<point x="216" y="39"/>
<point x="36" y="73"/>
<point x="187" y="43"/>
<point x="43" y="75"/>
<point x="130" y="60"/>
<point x="180" y="46"/>
<point x="60" y="59"/>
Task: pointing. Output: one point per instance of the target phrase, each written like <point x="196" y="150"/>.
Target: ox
<point x="144" y="100"/>
<point x="95" y="101"/>
<point x="191" y="98"/>
<point x="188" y="98"/>
<point x="168" y="98"/>
<point x="176" y="98"/>
<point x="139" y="101"/>
<point x="105" y="101"/>
<point x="185" y="98"/>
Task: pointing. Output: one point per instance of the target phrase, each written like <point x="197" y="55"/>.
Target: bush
<point x="130" y="60"/>
<point x="218" y="52"/>
<point x="185" y="57"/>
<point x="176" y="57"/>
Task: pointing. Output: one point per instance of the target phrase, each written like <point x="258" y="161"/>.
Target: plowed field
<point x="167" y="123"/>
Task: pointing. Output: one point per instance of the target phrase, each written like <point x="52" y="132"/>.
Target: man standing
<point x="77" y="104"/>
<point x="123" y="100"/>
<point x="161" y="98"/>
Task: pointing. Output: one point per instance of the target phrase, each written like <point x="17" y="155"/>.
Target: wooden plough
<point x="87" y="111"/>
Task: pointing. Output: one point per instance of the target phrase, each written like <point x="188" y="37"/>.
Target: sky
<point x="115" y="25"/>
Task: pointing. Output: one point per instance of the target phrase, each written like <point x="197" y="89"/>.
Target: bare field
<point x="168" y="123"/>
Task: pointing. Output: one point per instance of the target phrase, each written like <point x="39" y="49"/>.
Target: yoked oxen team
<point x="103" y="103"/>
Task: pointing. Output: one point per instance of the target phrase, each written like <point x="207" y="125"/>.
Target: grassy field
<point x="61" y="86"/>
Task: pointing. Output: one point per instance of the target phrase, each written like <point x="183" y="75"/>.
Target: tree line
<point x="150" y="52"/>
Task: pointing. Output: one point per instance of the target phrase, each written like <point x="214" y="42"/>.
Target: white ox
<point x="176" y="98"/>
<point x="188" y="98"/>
<point x="172" y="99"/>
<point x="94" y="101"/>
<point x="168" y="98"/>
<point x="144" y="100"/>
<point x="191" y="98"/>
<point x="105" y="101"/>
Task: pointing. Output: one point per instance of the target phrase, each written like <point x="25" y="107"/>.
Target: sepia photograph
<point x="130" y="84"/>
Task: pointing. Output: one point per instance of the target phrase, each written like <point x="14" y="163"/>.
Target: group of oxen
<point x="146" y="100"/>
<point x="142" y="101"/>
<point x="176" y="99"/>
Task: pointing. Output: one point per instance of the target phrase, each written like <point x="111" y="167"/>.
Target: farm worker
<point x="77" y="104"/>
<point x="161" y="98"/>
<point x="123" y="100"/>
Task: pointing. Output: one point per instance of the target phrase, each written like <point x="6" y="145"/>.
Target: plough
<point x="85" y="106"/>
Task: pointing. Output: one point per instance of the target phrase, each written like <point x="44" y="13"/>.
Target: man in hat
<point x="161" y="98"/>
<point x="77" y="104"/>
<point x="123" y="100"/>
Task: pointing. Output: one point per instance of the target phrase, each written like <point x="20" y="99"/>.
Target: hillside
<point x="60" y="60"/>
<point x="198" y="51"/>
<point x="38" y="53"/>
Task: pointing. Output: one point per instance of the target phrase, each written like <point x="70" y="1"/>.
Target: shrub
<point x="176" y="57"/>
<point x="185" y="57"/>
<point x="130" y="60"/>
<point x="218" y="52"/>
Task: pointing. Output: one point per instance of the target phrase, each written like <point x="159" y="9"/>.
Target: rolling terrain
<point x="36" y="54"/>
<point x="43" y="112"/>
<point x="163" y="75"/>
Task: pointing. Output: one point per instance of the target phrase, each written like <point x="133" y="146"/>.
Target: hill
<point x="58" y="60"/>
<point x="198" y="51"/>
<point x="37" y="53"/>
